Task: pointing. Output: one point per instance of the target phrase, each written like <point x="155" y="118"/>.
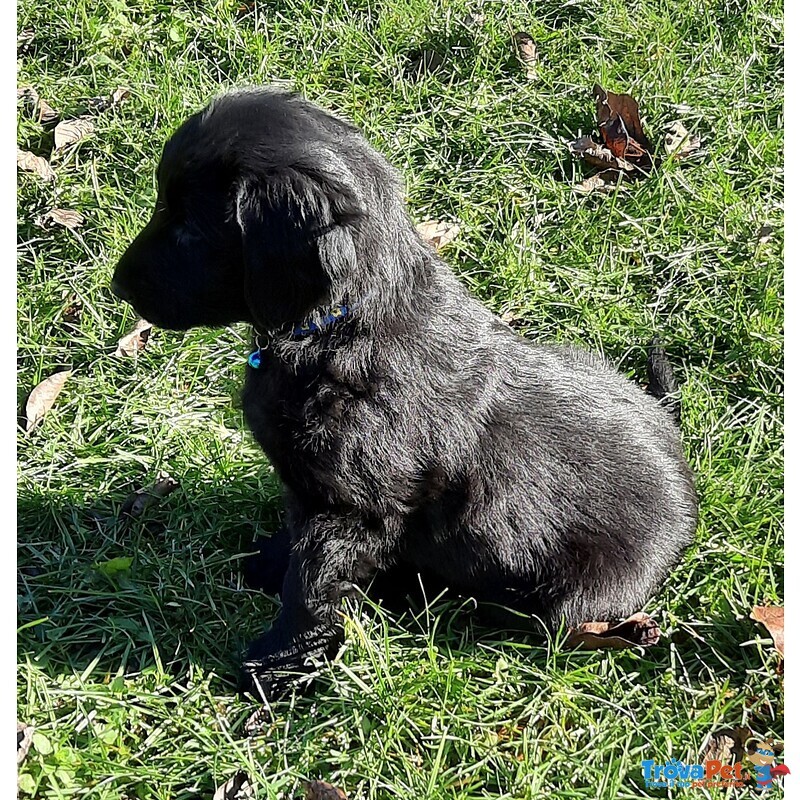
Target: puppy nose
<point x="120" y="291"/>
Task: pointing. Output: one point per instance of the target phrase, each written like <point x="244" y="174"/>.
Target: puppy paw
<point x="274" y="666"/>
<point x="267" y="682"/>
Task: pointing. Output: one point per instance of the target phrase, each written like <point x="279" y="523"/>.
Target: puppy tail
<point x="661" y="382"/>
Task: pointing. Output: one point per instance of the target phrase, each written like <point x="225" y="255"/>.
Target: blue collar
<point x="309" y="327"/>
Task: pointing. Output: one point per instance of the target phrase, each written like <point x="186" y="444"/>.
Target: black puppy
<point x="407" y="423"/>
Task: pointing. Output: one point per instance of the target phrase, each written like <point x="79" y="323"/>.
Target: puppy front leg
<point x="330" y="557"/>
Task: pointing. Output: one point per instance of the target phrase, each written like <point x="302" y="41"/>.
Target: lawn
<point x="130" y="629"/>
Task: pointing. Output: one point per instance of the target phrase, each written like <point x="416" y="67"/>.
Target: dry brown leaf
<point x="639" y="630"/>
<point x="438" y="234"/>
<point x="29" y="97"/>
<point x="24" y="738"/>
<point x="24" y="40"/>
<point x="31" y="163"/>
<point x="120" y="95"/>
<point x="320" y="790"/>
<point x="71" y="131"/>
<point x="61" y="216"/>
<point x="605" y="182"/>
<point x="71" y="313"/>
<point x="104" y="102"/>
<point x="236" y="788"/>
<point x="136" y="340"/>
<point x="764" y="234"/>
<point x="621" y="128"/>
<point x="526" y="52"/>
<point x="137" y="502"/>
<point x="678" y="142"/>
<point x="771" y="617"/>
<point x="509" y="317"/>
<point x="727" y="745"/>
<point x="44" y="394"/>
<point x="47" y="115"/>
<point x="257" y="722"/>
<point x="597" y="155"/>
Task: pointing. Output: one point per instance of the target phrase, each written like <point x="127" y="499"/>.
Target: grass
<point x="129" y="678"/>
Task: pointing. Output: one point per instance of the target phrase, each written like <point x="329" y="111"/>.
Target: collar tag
<point x="336" y="314"/>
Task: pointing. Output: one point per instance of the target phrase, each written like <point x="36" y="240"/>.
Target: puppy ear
<point x="295" y="239"/>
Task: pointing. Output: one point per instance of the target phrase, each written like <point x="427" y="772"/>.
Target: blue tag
<point x="254" y="359"/>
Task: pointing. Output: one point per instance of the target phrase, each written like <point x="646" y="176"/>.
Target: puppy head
<point x="257" y="205"/>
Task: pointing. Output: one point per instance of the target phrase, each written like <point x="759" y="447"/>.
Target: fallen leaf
<point x="113" y="566"/>
<point x="120" y="95"/>
<point x="236" y="788"/>
<point x="71" y="313"/>
<point x="104" y="102"/>
<point x="639" y="630"/>
<point x="137" y="502"/>
<point x="31" y="163"/>
<point x="135" y="341"/>
<point x="24" y="40"/>
<point x="764" y="234"/>
<point x="526" y="52"/>
<point x="24" y="739"/>
<point x="621" y="128"/>
<point x="47" y="115"/>
<point x="771" y="617"/>
<point x="727" y="745"/>
<point x="473" y="19"/>
<point x="44" y="394"/>
<point x="320" y="790"/>
<point x="678" y="142"/>
<point x="72" y="131"/>
<point x="438" y="234"/>
<point x="597" y="155"/>
<point x="256" y="722"/>
<point x="61" y="216"/>
<point x="29" y="97"/>
<point x="606" y="181"/>
<point x="508" y="317"/>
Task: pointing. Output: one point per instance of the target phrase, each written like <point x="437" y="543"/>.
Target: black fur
<point x="420" y="431"/>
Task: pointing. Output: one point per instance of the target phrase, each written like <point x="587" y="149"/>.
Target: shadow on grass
<point x="102" y="597"/>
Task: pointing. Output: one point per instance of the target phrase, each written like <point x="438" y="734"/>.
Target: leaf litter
<point x="105" y="102"/>
<point x="526" y="53"/>
<point x="621" y="150"/>
<point x="771" y="617"/>
<point x="61" y="216"/>
<point x="321" y="790"/>
<point x="728" y="745"/>
<point x="133" y="342"/>
<point x="43" y="396"/>
<point x="438" y="234"/>
<point x="72" y="131"/>
<point x="236" y="788"/>
<point x="639" y="630"/>
<point x="29" y="162"/>
<point x="139" y="501"/>
<point x="24" y="739"/>
<point x="678" y="142"/>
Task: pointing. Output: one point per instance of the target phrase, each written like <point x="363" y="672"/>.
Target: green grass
<point x="130" y="679"/>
